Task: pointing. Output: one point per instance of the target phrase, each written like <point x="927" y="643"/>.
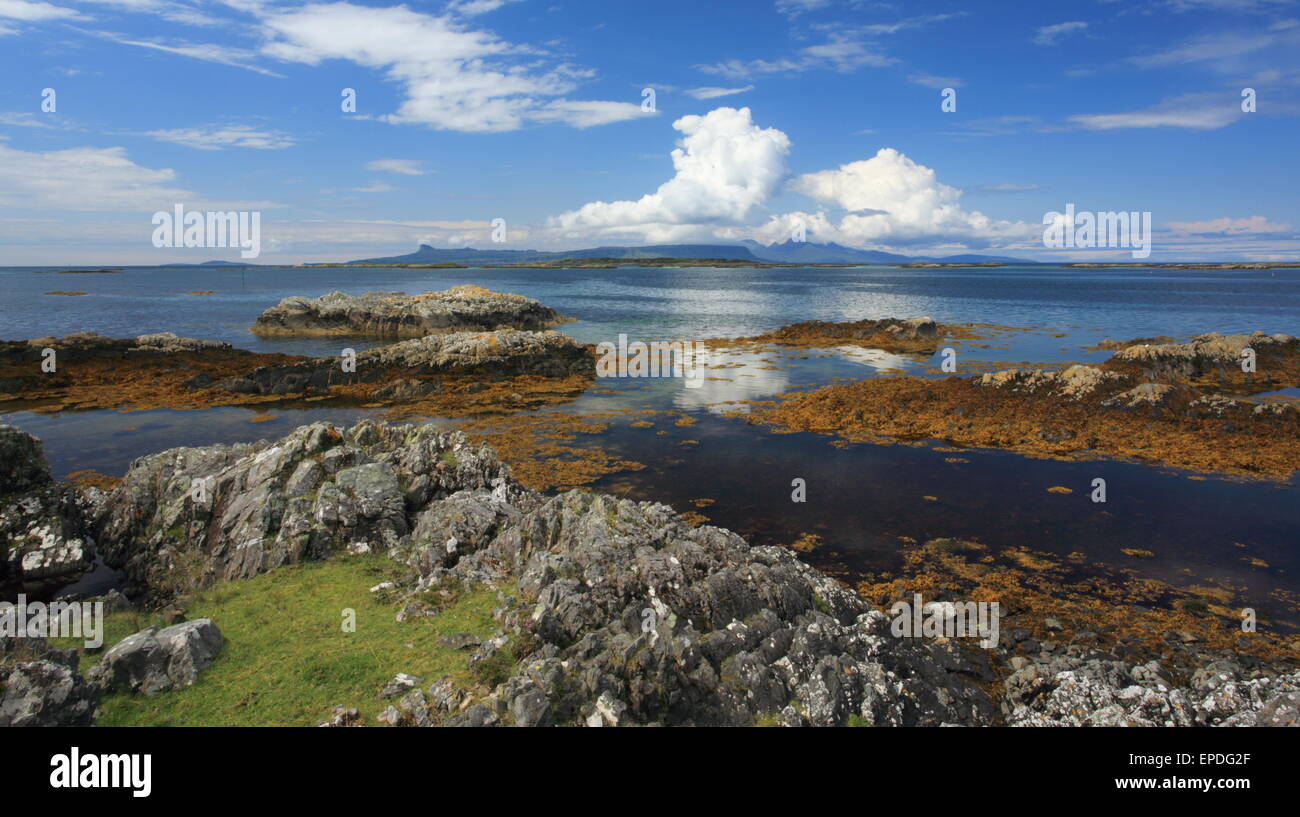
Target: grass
<point x="286" y="659"/>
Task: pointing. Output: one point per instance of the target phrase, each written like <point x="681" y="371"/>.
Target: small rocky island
<point x="396" y="314"/>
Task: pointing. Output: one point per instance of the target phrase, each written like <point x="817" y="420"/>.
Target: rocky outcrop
<point x="189" y="516"/>
<point x="156" y="660"/>
<point x="396" y="314"/>
<point x="93" y="344"/>
<point x="625" y="614"/>
<point x="1216" y="357"/>
<point x="1072" y="383"/>
<point x="40" y="686"/>
<point x="43" y="530"/>
<point x="503" y="353"/>
<point x="894" y="334"/>
<point x="1098" y="691"/>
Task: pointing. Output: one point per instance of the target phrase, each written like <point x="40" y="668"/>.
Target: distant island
<point x="747" y="254"/>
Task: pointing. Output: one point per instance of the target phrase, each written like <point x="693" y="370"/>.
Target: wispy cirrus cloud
<point x="1252" y="225"/>
<point x="715" y="93"/>
<point x="1208" y="111"/>
<point x="207" y="52"/>
<point x="1049" y="35"/>
<point x="936" y="82"/>
<point x="846" y="48"/>
<point x="218" y="137"/>
<point x="404" y="167"/>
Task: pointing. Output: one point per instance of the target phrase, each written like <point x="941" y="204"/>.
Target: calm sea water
<point x="860" y="498"/>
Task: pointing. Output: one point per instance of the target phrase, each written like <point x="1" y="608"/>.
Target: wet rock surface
<point x="398" y="314"/>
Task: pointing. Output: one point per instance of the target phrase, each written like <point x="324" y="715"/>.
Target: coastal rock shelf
<point x="396" y="314"/>
<point x="1153" y="402"/>
<point x="910" y="335"/>
<point x="457" y="372"/>
<point x="610" y="611"/>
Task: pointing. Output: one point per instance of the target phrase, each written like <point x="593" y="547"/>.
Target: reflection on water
<point x="861" y="497"/>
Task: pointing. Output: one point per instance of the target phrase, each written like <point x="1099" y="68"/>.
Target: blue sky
<point x="821" y="113"/>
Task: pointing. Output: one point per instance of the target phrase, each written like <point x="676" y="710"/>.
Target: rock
<point x="154" y="660"/>
<point x="1145" y="395"/>
<point x="397" y="314"/>
<point x="169" y="342"/>
<point x="43" y="528"/>
<point x="1280" y="710"/>
<point x="733" y="633"/>
<point x="458" y="641"/>
<point x="190" y="516"/>
<point x="342" y="717"/>
<point x="401" y="683"/>
<point x="22" y="462"/>
<point x="1210" y="354"/>
<point x="45" y="693"/>
<point x="40" y="685"/>
<point x="1072" y="383"/>
<point x="504" y="353"/>
<point x="95" y="345"/>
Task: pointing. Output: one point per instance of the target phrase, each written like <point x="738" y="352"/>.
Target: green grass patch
<point x="286" y="659"/>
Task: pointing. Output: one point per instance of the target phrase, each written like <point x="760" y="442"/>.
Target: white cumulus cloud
<point x="725" y="167"/>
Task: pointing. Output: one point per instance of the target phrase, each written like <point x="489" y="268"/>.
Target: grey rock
<point x="190" y="516"/>
<point x="399" y="314"/>
<point x="156" y="660"/>
<point x="44" y="541"/>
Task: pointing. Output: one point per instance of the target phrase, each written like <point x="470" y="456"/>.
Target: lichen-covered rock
<point x="40" y="686"/>
<point x="94" y="344"/>
<point x="189" y="516"/>
<point x="396" y="314"/>
<point x="501" y="353"/>
<point x="156" y="660"/>
<point x="1098" y="691"/>
<point x="1207" y="355"/>
<point x="635" y="617"/>
<point x="43" y="541"/>
<point x="1072" y="383"/>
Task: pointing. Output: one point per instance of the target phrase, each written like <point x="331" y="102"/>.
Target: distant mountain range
<point x="791" y="252"/>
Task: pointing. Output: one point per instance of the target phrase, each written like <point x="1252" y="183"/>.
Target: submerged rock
<point x="399" y="314"/>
